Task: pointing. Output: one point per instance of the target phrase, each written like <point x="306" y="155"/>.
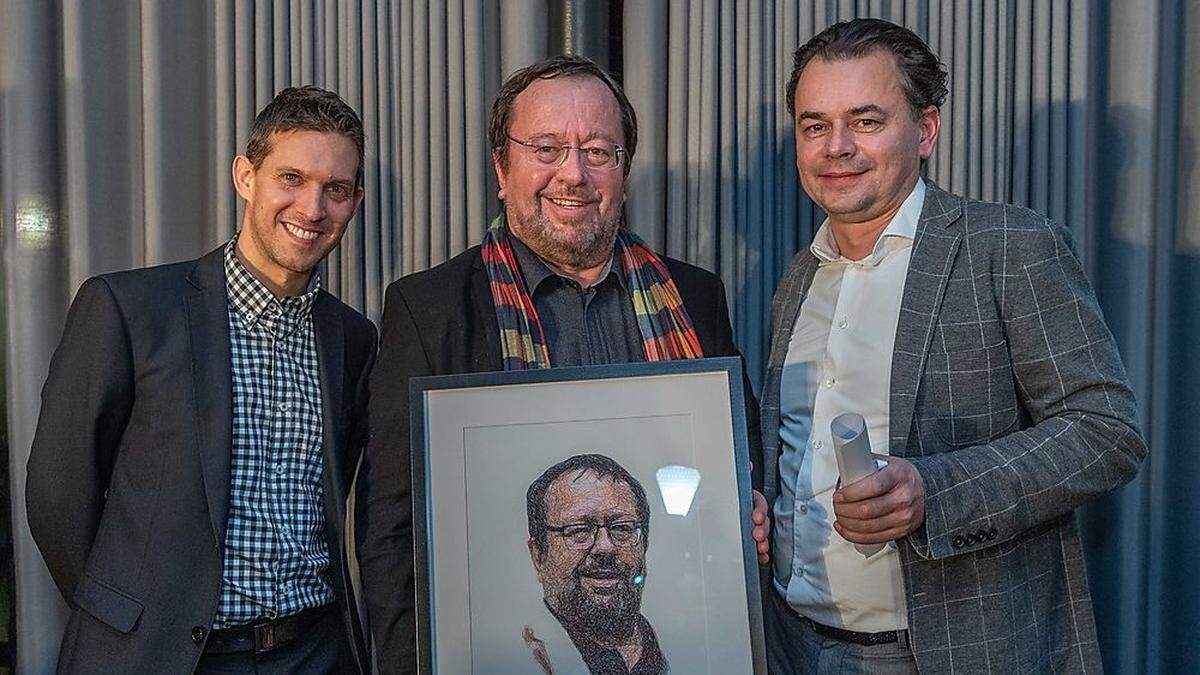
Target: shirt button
<point x="280" y="468"/>
<point x="843" y="323"/>
<point x="198" y="634"/>
<point x="283" y="407"/>
<point x="804" y="508"/>
<point x="817" y="445"/>
<point x="829" y="382"/>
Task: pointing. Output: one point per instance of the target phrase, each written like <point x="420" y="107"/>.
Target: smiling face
<point x="298" y="202"/>
<point x="596" y="588"/>
<point x="566" y="214"/>
<point x="858" y="148"/>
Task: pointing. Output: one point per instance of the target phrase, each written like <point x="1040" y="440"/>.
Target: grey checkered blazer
<point x="1009" y="396"/>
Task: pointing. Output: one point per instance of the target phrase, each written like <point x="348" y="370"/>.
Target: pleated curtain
<point x="1081" y="110"/>
<point x="118" y="123"/>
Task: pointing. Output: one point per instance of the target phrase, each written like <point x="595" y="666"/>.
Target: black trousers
<point x="323" y="648"/>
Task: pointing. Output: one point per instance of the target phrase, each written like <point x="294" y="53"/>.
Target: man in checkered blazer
<point x="200" y="427"/>
<point x="968" y="337"/>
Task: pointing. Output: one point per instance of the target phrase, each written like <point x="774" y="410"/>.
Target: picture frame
<point x="534" y="553"/>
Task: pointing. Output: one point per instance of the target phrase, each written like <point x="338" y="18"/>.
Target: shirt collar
<point x="902" y="230"/>
<point x="254" y="302"/>
<point x="535" y="270"/>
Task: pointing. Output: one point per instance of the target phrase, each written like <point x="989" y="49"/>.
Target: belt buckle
<point x="264" y="637"/>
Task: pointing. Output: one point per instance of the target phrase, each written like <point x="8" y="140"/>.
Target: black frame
<point x="731" y="366"/>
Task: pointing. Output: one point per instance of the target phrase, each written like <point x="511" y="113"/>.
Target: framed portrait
<point x="585" y="520"/>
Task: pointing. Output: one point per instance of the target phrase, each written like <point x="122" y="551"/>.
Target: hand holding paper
<point x="883" y="506"/>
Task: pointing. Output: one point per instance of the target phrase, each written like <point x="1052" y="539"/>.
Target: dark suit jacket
<point x="440" y="322"/>
<point x="1009" y="397"/>
<point x="128" y="486"/>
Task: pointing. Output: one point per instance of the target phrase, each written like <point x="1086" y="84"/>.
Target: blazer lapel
<point x="487" y="355"/>
<point x="331" y="364"/>
<point x="929" y="267"/>
<point x="789" y="296"/>
<point x="212" y="382"/>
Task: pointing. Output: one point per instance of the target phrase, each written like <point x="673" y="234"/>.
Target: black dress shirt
<point x="583" y="326"/>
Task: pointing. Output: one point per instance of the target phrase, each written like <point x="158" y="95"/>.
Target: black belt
<point x="266" y="635"/>
<point x="843" y="635"/>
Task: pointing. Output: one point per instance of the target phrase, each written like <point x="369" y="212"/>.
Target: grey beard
<point x="590" y="249"/>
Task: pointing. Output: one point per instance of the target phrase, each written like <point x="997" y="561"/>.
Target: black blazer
<point x="128" y="485"/>
<point x="438" y="322"/>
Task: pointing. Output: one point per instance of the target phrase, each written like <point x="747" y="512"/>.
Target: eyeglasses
<point x="582" y="536"/>
<point x="597" y="155"/>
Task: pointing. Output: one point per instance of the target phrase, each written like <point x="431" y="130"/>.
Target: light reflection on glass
<point x="678" y="486"/>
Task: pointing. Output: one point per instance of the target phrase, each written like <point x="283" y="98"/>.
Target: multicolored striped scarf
<point x="667" y="331"/>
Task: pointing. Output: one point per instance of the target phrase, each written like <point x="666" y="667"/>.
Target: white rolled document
<point x="852" y="447"/>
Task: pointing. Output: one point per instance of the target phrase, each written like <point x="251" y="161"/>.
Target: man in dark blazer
<point x="968" y="337"/>
<point x="562" y="134"/>
<point x="201" y="424"/>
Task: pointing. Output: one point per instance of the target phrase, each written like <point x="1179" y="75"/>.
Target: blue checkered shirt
<point x="276" y="558"/>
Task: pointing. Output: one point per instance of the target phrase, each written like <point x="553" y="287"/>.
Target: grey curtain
<point x="105" y="165"/>
<point x="1080" y="109"/>
<point x="118" y="123"/>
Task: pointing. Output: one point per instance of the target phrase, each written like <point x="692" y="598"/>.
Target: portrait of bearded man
<point x="589" y="524"/>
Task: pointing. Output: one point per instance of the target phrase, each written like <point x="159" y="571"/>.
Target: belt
<point x="844" y="635"/>
<point x="266" y="635"/>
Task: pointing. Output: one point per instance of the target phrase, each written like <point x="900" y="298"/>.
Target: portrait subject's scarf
<point x="667" y="332"/>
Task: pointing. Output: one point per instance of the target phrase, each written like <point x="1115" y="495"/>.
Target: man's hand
<point x="882" y="507"/>
<point x="762" y="528"/>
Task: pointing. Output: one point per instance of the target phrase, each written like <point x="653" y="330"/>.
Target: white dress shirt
<point x="839" y="360"/>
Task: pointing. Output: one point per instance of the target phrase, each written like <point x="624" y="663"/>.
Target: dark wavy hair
<point x="603" y="467"/>
<point x="306" y="108"/>
<point x="564" y="65"/>
<point x="922" y="74"/>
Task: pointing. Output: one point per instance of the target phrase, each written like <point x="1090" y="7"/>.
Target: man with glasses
<point x="556" y="282"/>
<point x="589" y="525"/>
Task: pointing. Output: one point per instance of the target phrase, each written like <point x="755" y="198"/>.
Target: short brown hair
<point x="564" y="65"/>
<point x="306" y="108"/>
<point x="922" y="74"/>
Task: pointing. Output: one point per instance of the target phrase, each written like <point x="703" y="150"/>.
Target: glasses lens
<point x="578" y="536"/>
<point x="583" y="535"/>
<point x="599" y="156"/>
<point x="624" y="532"/>
<point x="547" y="153"/>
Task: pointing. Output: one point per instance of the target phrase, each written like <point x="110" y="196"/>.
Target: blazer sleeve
<point x="1082" y="436"/>
<point x="86" y="402"/>
<point x="383" y="503"/>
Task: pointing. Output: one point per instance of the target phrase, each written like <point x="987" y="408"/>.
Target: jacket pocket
<point x="107" y="604"/>
<point x="969" y="395"/>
